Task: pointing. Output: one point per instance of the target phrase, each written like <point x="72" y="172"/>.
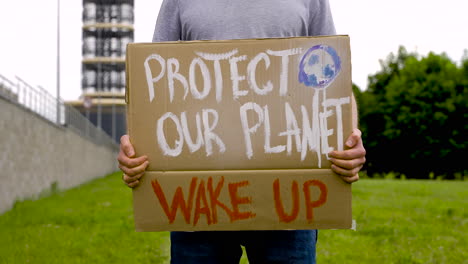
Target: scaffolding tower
<point x="107" y="29"/>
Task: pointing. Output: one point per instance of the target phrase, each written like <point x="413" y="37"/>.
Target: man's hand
<point x="132" y="167"/>
<point x="348" y="163"/>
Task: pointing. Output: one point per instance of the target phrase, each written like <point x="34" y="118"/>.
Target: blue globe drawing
<point x="319" y="66"/>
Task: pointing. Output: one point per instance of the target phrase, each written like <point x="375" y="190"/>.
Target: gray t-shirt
<point x="240" y="19"/>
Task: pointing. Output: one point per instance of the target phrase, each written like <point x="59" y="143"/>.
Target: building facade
<point x="107" y="29"/>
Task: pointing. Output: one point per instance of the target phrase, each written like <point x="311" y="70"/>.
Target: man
<point x="240" y="19"/>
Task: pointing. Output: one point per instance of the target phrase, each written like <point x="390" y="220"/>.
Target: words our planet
<point x="318" y="68"/>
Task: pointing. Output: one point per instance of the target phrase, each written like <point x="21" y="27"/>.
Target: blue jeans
<point x="223" y="247"/>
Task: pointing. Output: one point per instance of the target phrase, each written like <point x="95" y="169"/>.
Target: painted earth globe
<point x="319" y="66"/>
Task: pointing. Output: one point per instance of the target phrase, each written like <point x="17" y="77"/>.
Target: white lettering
<point x="236" y="78"/>
<point x="149" y="75"/>
<point x="311" y="134"/>
<point x="337" y="103"/>
<point x="245" y="124"/>
<point x="208" y="132"/>
<point x="251" y="72"/>
<point x="173" y="73"/>
<point x="206" y="79"/>
<point x="188" y="139"/>
<point x="216" y="58"/>
<point x="325" y="132"/>
<point x="166" y="149"/>
<point x="267" y="147"/>
<point x="292" y="129"/>
<point x="284" y="54"/>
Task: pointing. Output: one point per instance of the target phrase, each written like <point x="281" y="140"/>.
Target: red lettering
<point x="201" y="197"/>
<point x="178" y="201"/>
<point x="214" y="194"/>
<point x="310" y="205"/>
<point x="236" y="201"/>
<point x="283" y="216"/>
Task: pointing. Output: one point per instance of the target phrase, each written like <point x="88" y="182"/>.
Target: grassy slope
<point x="89" y="224"/>
<point x="402" y="222"/>
<point x="397" y="222"/>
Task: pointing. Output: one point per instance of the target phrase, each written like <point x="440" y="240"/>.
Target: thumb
<point x="126" y="146"/>
<point x="354" y="138"/>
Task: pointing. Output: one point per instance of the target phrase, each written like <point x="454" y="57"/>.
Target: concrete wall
<point x="35" y="154"/>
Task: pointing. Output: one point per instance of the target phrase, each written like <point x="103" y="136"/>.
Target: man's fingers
<point x="345" y="172"/>
<point x="133" y="168"/>
<point x="348" y="176"/>
<point x="355" y="178"/>
<point x="133" y="184"/>
<point x="126" y="146"/>
<point x="355" y="147"/>
<point x="134" y="171"/>
<point x="349" y="164"/>
<point x="349" y="154"/>
<point x="354" y="138"/>
<point x="127" y="179"/>
<point x="131" y="162"/>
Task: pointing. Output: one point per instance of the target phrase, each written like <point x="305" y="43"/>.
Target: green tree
<point x="414" y="116"/>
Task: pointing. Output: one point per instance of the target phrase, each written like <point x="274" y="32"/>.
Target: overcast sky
<point x="376" y="27"/>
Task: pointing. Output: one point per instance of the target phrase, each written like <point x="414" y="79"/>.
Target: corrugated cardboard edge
<point x="127" y="89"/>
<point x="127" y="73"/>
<point x="231" y="40"/>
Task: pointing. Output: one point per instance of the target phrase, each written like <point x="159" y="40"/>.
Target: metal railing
<point x="42" y="103"/>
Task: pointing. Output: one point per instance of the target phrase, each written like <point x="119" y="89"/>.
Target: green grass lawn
<point x="397" y="222"/>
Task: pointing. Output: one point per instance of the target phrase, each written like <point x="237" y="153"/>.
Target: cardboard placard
<point x="237" y="133"/>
